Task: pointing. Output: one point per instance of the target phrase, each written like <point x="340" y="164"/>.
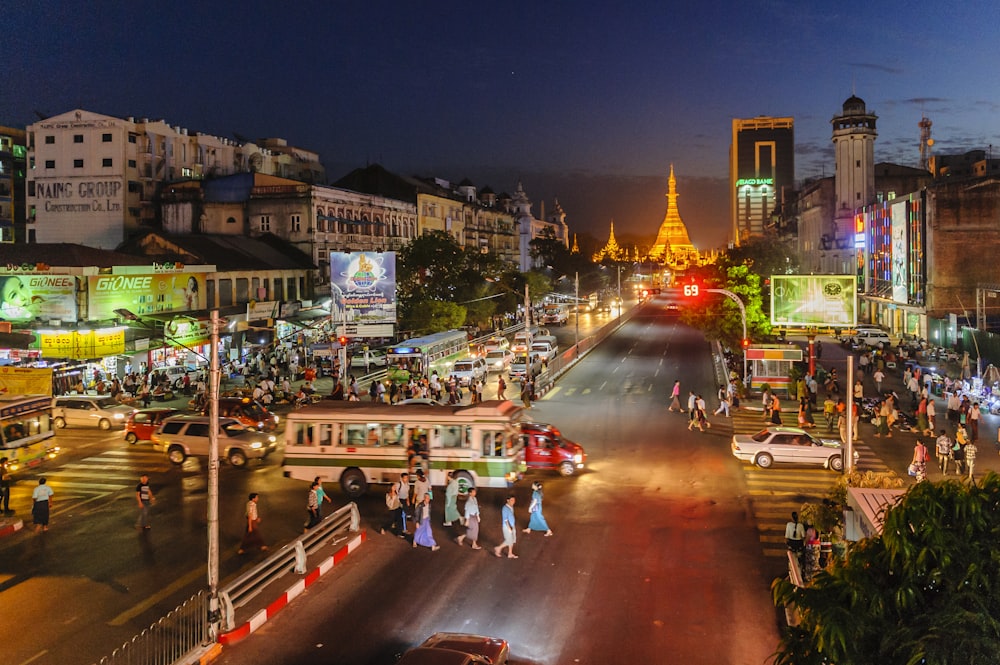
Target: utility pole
<point x="576" y="310"/>
<point x="214" y="615"/>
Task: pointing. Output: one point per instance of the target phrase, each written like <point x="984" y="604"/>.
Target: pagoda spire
<point x="575" y="249"/>
<point x="611" y="250"/>
<point x="672" y="242"/>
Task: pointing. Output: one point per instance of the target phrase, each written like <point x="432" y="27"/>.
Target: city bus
<point x="420" y="356"/>
<point x="25" y="430"/>
<point x="359" y="444"/>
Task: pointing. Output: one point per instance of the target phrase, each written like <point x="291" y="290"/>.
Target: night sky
<point x="586" y="101"/>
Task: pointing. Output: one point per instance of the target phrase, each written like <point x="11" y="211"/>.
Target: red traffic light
<point x="342" y="340"/>
<point x="746" y="343"/>
<point x="691" y="290"/>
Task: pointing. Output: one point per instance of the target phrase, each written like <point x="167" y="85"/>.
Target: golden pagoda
<point x="611" y="250"/>
<point x="575" y="249"/>
<point x="673" y="246"/>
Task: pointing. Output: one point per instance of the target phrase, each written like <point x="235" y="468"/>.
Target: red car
<point x="546" y="449"/>
<point x="458" y="649"/>
<point x="142" y="423"/>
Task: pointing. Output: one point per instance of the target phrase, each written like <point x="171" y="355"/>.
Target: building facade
<point x="13" y="162"/>
<point x="96" y="179"/>
<point x="761" y="164"/>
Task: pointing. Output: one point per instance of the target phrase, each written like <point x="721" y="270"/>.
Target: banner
<point x="26" y="297"/>
<point x="813" y="300"/>
<point x="25" y="381"/>
<point x="81" y="345"/>
<point x="144" y="294"/>
<point x="364" y="283"/>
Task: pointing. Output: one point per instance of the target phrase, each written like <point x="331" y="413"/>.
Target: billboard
<point x="144" y="294"/>
<point x="813" y="300"/>
<point x="365" y="284"/>
<point x="25" y="381"/>
<point x="25" y="297"/>
<point x="900" y="264"/>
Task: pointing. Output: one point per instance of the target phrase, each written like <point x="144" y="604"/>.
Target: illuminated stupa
<point x="611" y="250"/>
<point x="673" y="246"/>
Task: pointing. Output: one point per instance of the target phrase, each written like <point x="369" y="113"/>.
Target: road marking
<point x="178" y="584"/>
<point x="35" y="657"/>
<point x="551" y="392"/>
<point x="602" y="385"/>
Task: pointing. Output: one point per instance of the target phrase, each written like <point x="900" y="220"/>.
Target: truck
<point x="555" y="314"/>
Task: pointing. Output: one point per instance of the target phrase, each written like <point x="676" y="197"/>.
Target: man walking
<point x="509" y="532"/>
<point x="41" y="504"/>
<point x="145" y="498"/>
<point x="501" y="387"/>
<point x="970" y="458"/>
<point x="943" y="450"/>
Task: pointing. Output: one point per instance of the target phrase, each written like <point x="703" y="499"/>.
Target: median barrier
<point x="341" y="529"/>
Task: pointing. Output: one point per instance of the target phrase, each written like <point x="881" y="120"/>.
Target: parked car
<point x="142" y="423"/>
<point x="89" y="411"/>
<point x="788" y="444"/>
<point x="175" y="373"/>
<point x="369" y="358"/>
<point x="458" y="649"/>
<point x="498" y="360"/>
<point x="871" y="338"/>
<point x="546" y="449"/>
<point x="185" y="436"/>
<point x="469" y="370"/>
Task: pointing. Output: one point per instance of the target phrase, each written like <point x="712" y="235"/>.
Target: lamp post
<point x="743" y="315"/>
<point x="576" y="311"/>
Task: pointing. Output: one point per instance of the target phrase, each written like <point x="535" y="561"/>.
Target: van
<point x="103" y="412"/>
<point x="495" y="343"/>
<point x="546" y="449"/>
<point x="544" y="351"/>
<point x="519" y="367"/>
<point x="872" y="337"/>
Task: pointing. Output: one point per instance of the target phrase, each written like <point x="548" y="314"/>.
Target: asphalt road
<point x="656" y="556"/>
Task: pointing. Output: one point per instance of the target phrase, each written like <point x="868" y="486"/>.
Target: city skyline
<point x="579" y="102"/>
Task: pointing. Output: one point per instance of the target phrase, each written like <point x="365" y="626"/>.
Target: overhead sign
<point x="813" y="300"/>
<point x="25" y="297"/>
<point x="144" y="294"/>
<point x="258" y="311"/>
<point x="364" y="284"/>
<point x="81" y="344"/>
<point x="900" y="259"/>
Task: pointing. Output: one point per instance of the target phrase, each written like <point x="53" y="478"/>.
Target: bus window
<point x="355" y="434"/>
<point x="325" y="435"/>
<point x="302" y="435"/>
<point x="450" y="437"/>
<point x="392" y="434"/>
<point x="492" y="443"/>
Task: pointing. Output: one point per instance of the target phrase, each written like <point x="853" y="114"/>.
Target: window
<point x="242" y="295"/>
<point x="230" y="220"/>
<point x="106" y="161"/>
<point x="296" y="222"/>
<point x="131" y="138"/>
<point x="131" y="163"/>
<point x="77" y="138"/>
<point x="265" y="223"/>
<point x="77" y="163"/>
<point x="105" y="138"/>
<point x="50" y="163"/>
<point x="50" y="140"/>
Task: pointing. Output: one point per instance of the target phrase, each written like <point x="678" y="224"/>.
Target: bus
<point x="25" y="430"/>
<point x="420" y="356"/>
<point x="358" y="444"/>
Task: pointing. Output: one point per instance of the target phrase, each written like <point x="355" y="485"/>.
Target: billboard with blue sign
<point x="364" y="283"/>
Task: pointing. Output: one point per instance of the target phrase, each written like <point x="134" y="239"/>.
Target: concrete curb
<point x="10" y="527"/>
<point x="261" y="617"/>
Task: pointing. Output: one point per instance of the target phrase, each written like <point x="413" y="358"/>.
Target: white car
<point x="369" y="358"/>
<point x="499" y="360"/>
<point x="100" y="411"/>
<point x="790" y="445"/>
<point x="469" y="370"/>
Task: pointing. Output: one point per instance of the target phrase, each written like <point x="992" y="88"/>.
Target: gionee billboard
<point x="144" y="294"/>
<point x="813" y="300"/>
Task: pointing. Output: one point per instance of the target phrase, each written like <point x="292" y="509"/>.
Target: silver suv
<point x="184" y="436"/>
<point x="89" y="411"/>
<point x="467" y="371"/>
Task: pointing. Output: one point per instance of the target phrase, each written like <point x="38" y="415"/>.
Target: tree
<point x="436" y="316"/>
<point x="926" y="591"/>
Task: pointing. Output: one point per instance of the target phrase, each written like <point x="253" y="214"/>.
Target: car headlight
<point x="578" y="458"/>
<point x="119" y="416"/>
<point x="256" y="444"/>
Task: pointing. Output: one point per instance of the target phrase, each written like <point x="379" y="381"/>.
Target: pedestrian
<point x="958" y="450"/>
<point x="508" y="528"/>
<point x="675" y="397"/>
<point x="970" y="458"/>
<point x="931" y="413"/>
<point x="943" y="450"/>
<point x="422" y="535"/>
<point x="451" y="513"/>
<point x="312" y="506"/>
<point x="4" y="486"/>
<point x="692" y="405"/>
<point x="775" y="410"/>
<point x="41" y="499"/>
<point x="536" y="520"/>
<point x="145" y="498"/>
<point x="919" y="460"/>
<point x="403" y="490"/>
<point x="397" y="520"/>
<point x="501" y="387"/>
<point x="723" y="402"/>
<point x="879" y="377"/>
<point x="421" y="488"/>
<point x="321" y="495"/>
<point x="795" y="533"/>
<point x="471" y="520"/>
<point x="526" y="392"/>
<point x="973" y="420"/>
<point x="252" y="537"/>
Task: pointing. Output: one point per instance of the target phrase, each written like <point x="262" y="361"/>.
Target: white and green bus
<point x="358" y="444"/>
<point x="421" y="356"/>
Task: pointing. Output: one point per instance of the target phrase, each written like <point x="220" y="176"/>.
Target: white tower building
<point x="854" y="147"/>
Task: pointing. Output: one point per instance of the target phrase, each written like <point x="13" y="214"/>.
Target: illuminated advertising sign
<point x="25" y="381"/>
<point x="81" y="344"/>
<point x="813" y="300"/>
<point x="900" y="270"/>
<point x="754" y="182"/>
<point x="144" y="294"/>
<point x="25" y="297"/>
<point x="365" y="283"/>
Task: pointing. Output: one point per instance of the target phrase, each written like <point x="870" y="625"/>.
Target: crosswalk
<point x="776" y="492"/>
<point x="91" y="478"/>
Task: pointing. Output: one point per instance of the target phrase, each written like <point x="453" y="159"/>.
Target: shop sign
<point x="364" y="284"/>
<point x="186" y="331"/>
<point x="26" y="297"/>
<point x="25" y="381"/>
<point x="144" y="294"/>
<point x="81" y="344"/>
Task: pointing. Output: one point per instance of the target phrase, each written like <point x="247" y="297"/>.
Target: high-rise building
<point x="12" y="166"/>
<point x="761" y="163"/>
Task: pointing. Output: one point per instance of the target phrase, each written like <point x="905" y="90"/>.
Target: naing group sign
<point x="365" y="284"/>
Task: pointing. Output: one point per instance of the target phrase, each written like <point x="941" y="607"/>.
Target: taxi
<point x="546" y="449"/>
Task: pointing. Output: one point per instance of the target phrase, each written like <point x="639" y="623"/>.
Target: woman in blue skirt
<point x="537" y="520"/>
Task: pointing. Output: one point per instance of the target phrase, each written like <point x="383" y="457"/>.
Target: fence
<point x="182" y="631"/>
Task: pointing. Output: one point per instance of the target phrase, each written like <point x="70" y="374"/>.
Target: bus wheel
<point x="465" y="482"/>
<point x="354" y="483"/>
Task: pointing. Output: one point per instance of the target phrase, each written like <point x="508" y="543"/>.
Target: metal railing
<point x="182" y="631"/>
<point x="289" y="559"/>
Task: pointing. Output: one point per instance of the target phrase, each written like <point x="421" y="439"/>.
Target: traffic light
<point x="343" y="341"/>
<point x="746" y="343"/>
<point x="692" y="290"/>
